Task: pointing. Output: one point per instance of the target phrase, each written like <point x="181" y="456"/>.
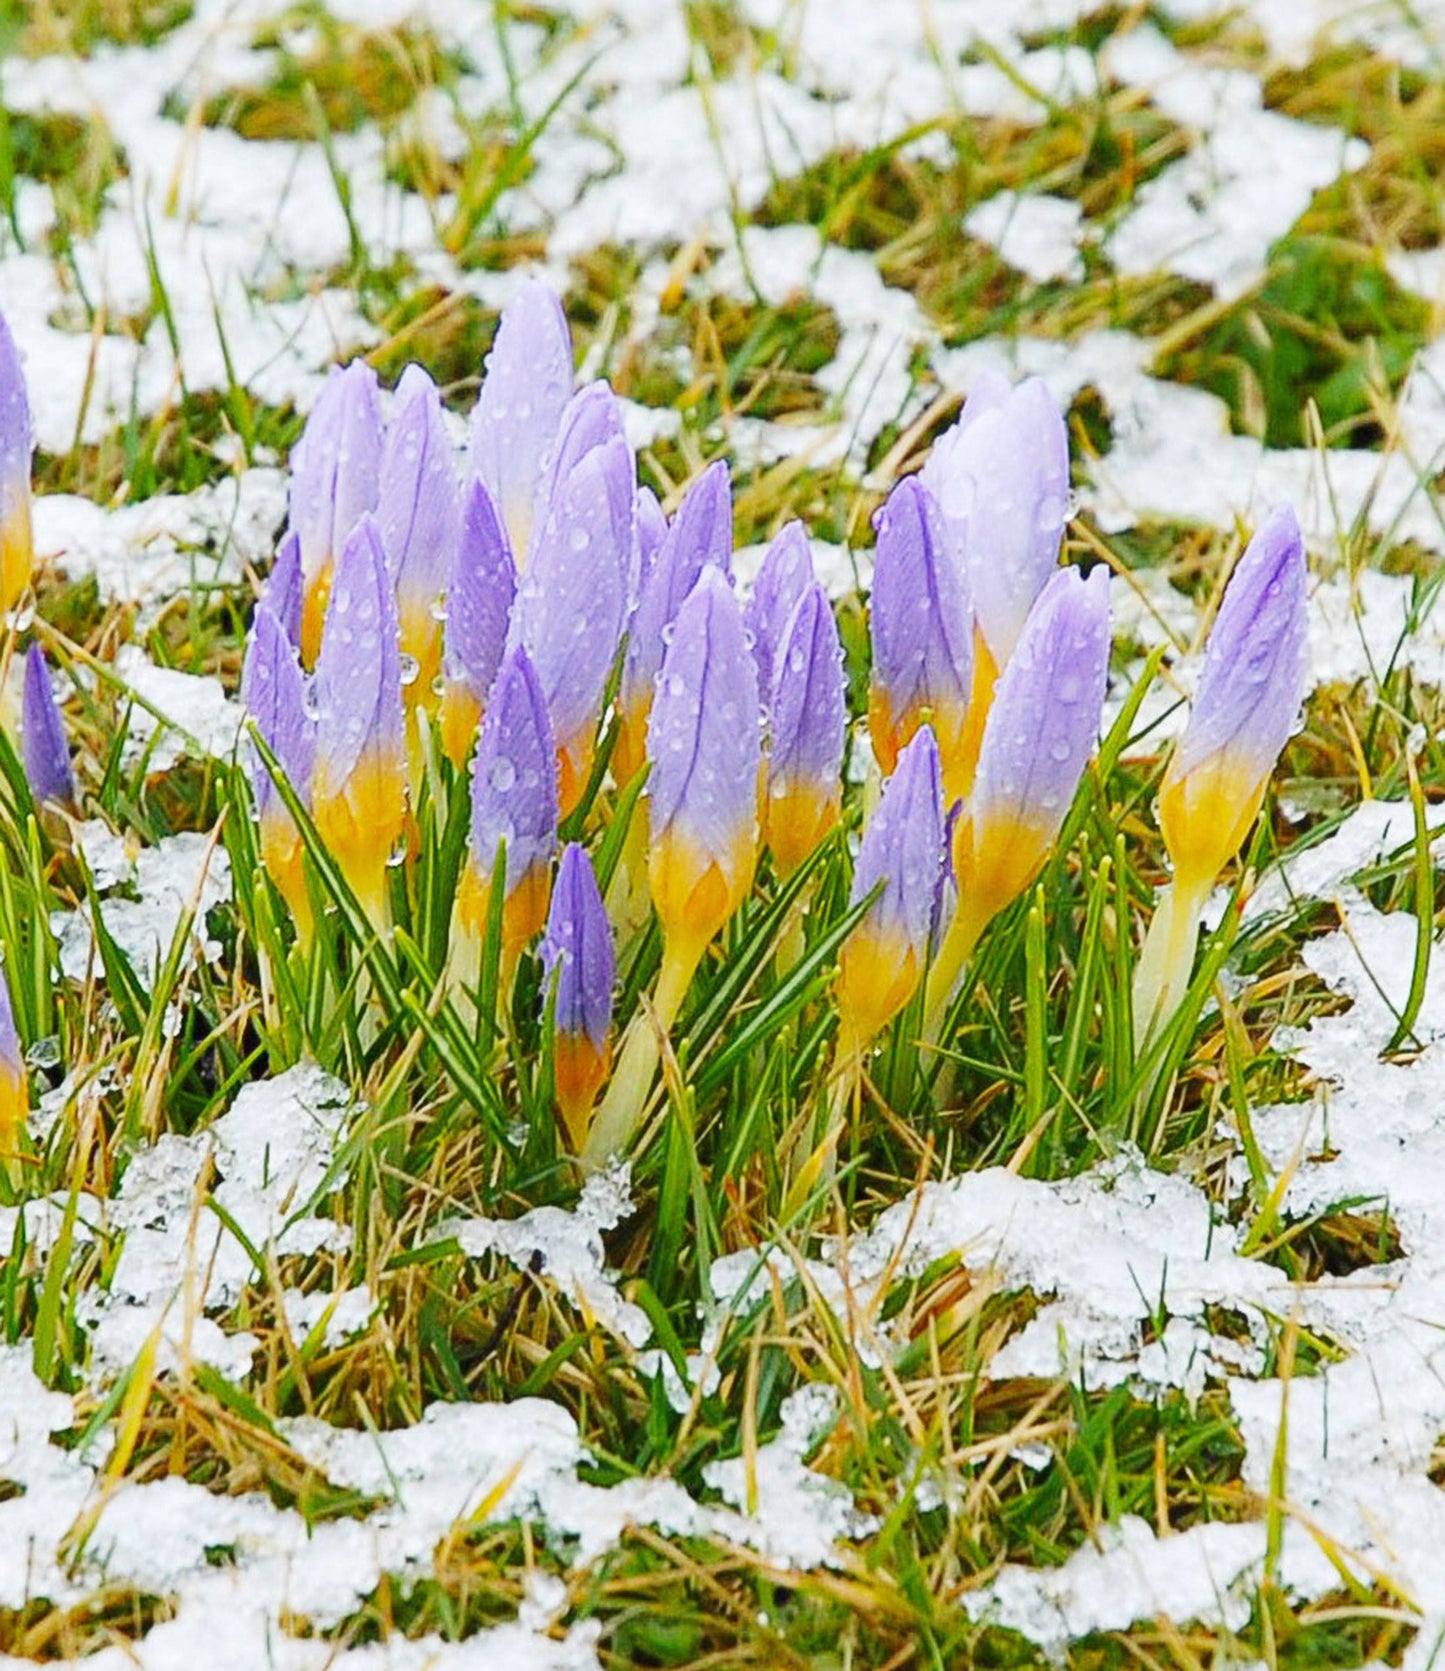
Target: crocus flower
<point x="335" y="472"/>
<point x="700" y="533"/>
<point x="42" y="734"/>
<point x="1246" y="705"/>
<point x="785" y="575"/>
<point x="273" y="688"/>
<point x="524" y="393"/>
<point x="1041" y="730"/>
<point x="572" y="597"/>
<point x="882" y="961"/>
<point x="14" y="1084"/>
<point x="578" y="956"/>
<point x="17" y="545"/>
<point x="419" y="513"/>
<point x="359" y="783"/>
<point x="1247" y="702"/>
<point x="514" y="805"/>
<point x="809" y="725"/>
<point x="479" y="606"/>
<point x="922" y="637"/>
<point x="284" y="588"/>
<point x="650" y="532"/>
<point x="1000" y="477"/>
<point x="704" y="748"/>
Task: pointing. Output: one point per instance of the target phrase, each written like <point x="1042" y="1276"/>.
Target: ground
<point x="312" y="1352"/>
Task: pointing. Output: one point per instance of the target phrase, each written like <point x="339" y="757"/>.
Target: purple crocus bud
<point x="700" y="533"/>
<point x="284" y="589"/>
<point x="578" y="955"/>
<point x="359" y="783"/>
<point x="1246" y="705"/>
<point x="335" y="473"/>
<point x="1000" y="477"/>
<point x="479" y="606"/>
<point x="704" y="746"/>
<point x="809" y="727"/>
<point x="1041" y="730"/>
<point x="572" y="597"/>
<point x="514" y="804"/>
<point x="922" y="634"/>
<point x="651" y="531"/>
<point x="273" y="688"/>
<point x="14" y="1081"/>
<point x="17" y="444"/>
<point x="882" y="961"/>
<point x="42" y="735"/>
<point x="524" y="393"/>
<point x="419" y="513"/>
<point x="785" y="575"/>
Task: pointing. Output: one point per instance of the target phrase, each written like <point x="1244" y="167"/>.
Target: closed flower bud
<point x="578" y="955"/>
<point x="922" y="633"/>
<point x="785" y="575"/>
<point x="43" y="748"/>
<point x="335" y="472"/>
<point x="700" y="533"/>
<point x="704" y="748"/>
<point x="883" y="960"/>
<point x="514" y="806"/>
<point x="359" y="785"/>
<point x="17" y="443"/>
<point x="273" y="688"/>
<point x="14" y="1082"/>
<point x="524" y="393"/>
<point x="479" y="607"/>
<point x="809" y="728"/>
<point x="284" y="589"/>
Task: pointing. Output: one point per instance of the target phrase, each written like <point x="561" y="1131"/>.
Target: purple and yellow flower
<point x="479" y="607"/>
<point x="514" y="807"/>
<point x="650" y="532"/>
<point x="43" y="748"/>
<point x="883" y="960"/>
<point x="785" y="575"/>
<point x="578" y="956"/>
<point x="284" y="590"/>
<point x="17" y="444"/>
<point x="419" y="514"/>
<point x="809" y="716"/>
<point x="359" y="782"/>
<point x="273" y="688"/>
<point x="335" y="473"/>
<point x="572" y="597"/>
<point x="700" y="533"/>
<point x="518" y="413"/>
<point x="1246" y="705"/>
<point x="14" y="1082"/>
<point x="704" y="747"/>
<point x="922" y="632"/>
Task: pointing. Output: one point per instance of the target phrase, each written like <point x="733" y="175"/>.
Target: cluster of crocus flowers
<point x="1245" y="706"/>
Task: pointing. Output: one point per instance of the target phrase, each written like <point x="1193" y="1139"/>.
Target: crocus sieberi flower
<point x="479" y="606"/>
<point x="704" y="748"/>
<point x="1000" y="477"/>
<point x="14" y="1082"/>
<point x="809" y="720"/>
<point x="359" y="781"/>
<point x="700" y="533"/>
<point x="17" y="444"/>
<point x="579" y="959"/>
<point x="1041" y="730"/>
<point x="524" y="394"/>
<point x="273" y="688"/>
<point x="1246" y="704"/>
<point x="649" y="533"/>
<point x="284" y="588"/>
<point x="335" y="475"/>
<point x="514" y="811"/>
<point x="43" y="748"/>
<point x="883" y="960"/>
<point x="419" y="513"/>
<point x="571" y="599"/>
<point x="785" y="575"/>
<point x="922" y="632"/>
